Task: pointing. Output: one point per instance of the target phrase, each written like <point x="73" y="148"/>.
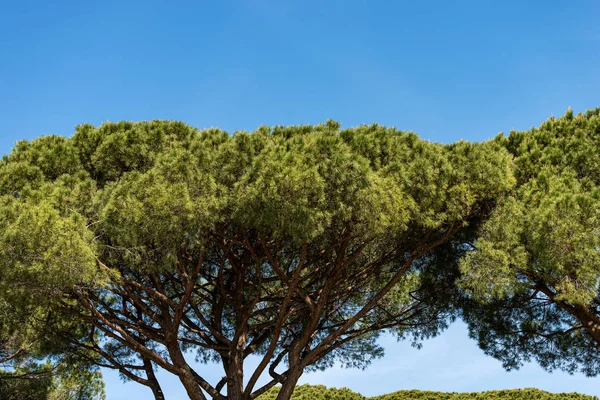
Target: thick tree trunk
<point x="234" y="367"/>
<point x="235" y="381"/>
<point x="287" y="389"/>
<point x="185" y="373"/>
<point x="191" y="386"/>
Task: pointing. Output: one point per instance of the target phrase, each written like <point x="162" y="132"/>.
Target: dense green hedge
<point x="319" y="392"/>
<point x="308" y="392"/>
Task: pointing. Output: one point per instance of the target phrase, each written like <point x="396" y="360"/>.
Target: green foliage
<point x="320" y="392"/>
<point x="42" y="381"/>
<point x="163" y="185"/>
<point x="515" y="394"/>
<point x="316" y="392"/>
<point x="536" y="265"/>
<point x="132" y="234"/>
<point x="77" y="383"/>
<point x="29" y="381"/>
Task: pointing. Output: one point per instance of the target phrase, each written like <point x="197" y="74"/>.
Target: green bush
<point x="320" y="392"/>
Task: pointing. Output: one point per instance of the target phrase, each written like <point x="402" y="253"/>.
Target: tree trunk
<point x="235" y="384"/>
<point x="191" y="386"/>
<point x="154" y="385"/>
<point x="235" y="374"/>
<point x="157" y="392"/>
<point x="287" y="389"/>
<point x="185" y="373"/>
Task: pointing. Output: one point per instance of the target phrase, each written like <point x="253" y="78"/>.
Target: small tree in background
<point x="296" y="244"/>
<point x="535" y="267"/>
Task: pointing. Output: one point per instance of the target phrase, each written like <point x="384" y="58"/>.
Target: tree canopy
<point x="535" y="268"/>
<point x="297" y="244"/>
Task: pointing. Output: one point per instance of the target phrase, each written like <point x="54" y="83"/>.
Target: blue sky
<point x="446" y="70"/>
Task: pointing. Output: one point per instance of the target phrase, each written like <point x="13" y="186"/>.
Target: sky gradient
<point x="446" y="70"/>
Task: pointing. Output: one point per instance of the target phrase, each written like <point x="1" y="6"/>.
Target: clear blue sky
<point x="447" y="70"/>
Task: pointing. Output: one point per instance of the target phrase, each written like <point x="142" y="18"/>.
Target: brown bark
<point x="235" y="387"/>
<point x="184" y="372"/>
<point x="589" y="319"/>
<point x="12" y="355"/>
<point x="152" y="381"/>
<point x="189" y="383"/>
<point x="287" y="389"/>
<point x="235" y="377"/>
